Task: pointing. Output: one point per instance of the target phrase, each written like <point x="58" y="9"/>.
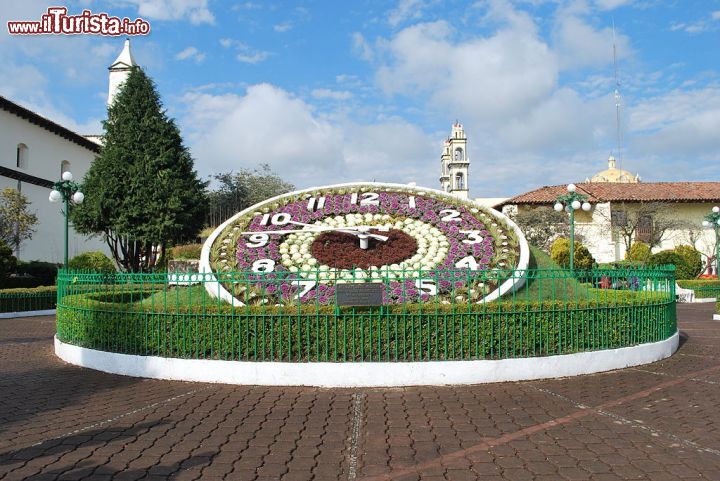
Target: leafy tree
<point x="560" y="253"/>
<point x="17" y="223"/>
<point x="142" y="193"/>
<point x="542" y="226"/>
<point x="8" y="262"/>
<point x="239" y="190"/>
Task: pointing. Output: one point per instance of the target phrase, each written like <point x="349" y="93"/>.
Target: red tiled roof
<point x="640" y="192"/>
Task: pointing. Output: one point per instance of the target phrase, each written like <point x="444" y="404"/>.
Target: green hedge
<point x="392" y="333"/>
<point x="702" y="287"/>
<point x="20" y="300"/>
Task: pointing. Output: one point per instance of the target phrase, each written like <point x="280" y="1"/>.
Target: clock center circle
<point x="342" y="251"/>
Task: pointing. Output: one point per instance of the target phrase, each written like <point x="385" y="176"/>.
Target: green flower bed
<point x="703" y="287"/>
<point x="33" y="299"/>
<point x="139" y="322"/>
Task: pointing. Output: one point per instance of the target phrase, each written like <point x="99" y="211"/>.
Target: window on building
<point x="618" y="218"/>
<point x="644" y="229"/>
<point x="22" y="156"/>
<point x="458" y="155"/>
<point x="459" y="181"/>
<point x="64" y="167"/>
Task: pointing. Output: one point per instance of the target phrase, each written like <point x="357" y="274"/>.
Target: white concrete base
<point x="716" y="317"/>
<point x="12" y="315"/>
<point x="366" y="374"/>
<point x="705" y="299"/>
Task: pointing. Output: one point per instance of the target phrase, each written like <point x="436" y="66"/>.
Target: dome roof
<point x="614" y="175"/>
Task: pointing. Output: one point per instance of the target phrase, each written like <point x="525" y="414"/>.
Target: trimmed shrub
<point x="19" y="300"/>
<point x="687" y="266"/>
<point x="702" y="287"/>
<point x="664" y="258"/>
<point x="94" y="261"/>
<point x="692" y="262"/>
<point x="411" y="332"/>
<point x="560" y="253"/>
<point x="639" y="252"/>
<point x="186" y="252"/>
<point x="8" y="262"/>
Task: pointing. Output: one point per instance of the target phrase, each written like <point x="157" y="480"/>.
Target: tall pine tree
<point x="142" y="193"/>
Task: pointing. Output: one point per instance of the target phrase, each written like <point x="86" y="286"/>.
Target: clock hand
<point x="349" y="229"/>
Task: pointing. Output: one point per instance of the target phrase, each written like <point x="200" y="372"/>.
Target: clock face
<point x="422" y="244"/>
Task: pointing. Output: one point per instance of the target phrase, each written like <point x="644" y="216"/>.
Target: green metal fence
<point x="24" y="300"/>
<point x="555" y="312"/>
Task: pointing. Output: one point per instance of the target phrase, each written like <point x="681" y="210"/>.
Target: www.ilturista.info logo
<point x="57" y="21"/>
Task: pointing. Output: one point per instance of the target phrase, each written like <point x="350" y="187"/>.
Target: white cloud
<point x="196" y="11"/>
<point x="406" y="10"/>
<point x="190" y="53"/>
<point x="715" y="15"/>
<point x="612" y="4"/>
<point x="484" y="79"/>
<point x="361" y="47"/>
<point x="579" y="45"/>
<point x="283" y="27"/>
<point x="246" y="53"/>
<point x="678" y="122"/>
<point x="269" y="125"/>
<point x="331" y="94"/>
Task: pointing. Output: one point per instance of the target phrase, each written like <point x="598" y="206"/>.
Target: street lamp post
<point x="66" y="191"/>
<point x="713" y="220"/>
<point x="571" y="202"/>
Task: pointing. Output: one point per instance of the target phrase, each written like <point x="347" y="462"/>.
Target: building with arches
<point x="454" y="163"/>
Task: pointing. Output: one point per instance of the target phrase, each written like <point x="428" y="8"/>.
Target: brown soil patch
<point x="342" y="251"/>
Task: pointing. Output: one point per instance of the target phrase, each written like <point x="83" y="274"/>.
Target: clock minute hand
<point x="354" y="230"/>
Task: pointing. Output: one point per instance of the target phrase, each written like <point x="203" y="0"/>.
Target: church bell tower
<point x="454" y="163"/>
<point x="120" y="70"/>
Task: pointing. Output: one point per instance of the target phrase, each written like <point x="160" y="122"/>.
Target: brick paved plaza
<point x="656" y="422"/>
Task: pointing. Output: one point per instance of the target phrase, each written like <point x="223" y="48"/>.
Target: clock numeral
<point x="450" y="215"/>
<point x="257" y="240"/>
<point x="428" y="286"/>
<point x="305" y="287"/>
<point x="370" y="198"/>
<point x="263" y="265"/>
<point x="315" y="204"/>
<point x="474" y="236"/>
<point x="411" y="202"/>
<point x="278" y="219"/>
<point x="468" y="262"/>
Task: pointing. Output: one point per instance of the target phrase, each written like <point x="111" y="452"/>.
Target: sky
<point x="338" y="91"/>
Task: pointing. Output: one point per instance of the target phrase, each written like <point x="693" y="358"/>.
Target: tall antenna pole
<point x="618" y="103"/>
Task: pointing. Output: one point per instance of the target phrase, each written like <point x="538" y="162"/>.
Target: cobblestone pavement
<point x="656" y="422"/>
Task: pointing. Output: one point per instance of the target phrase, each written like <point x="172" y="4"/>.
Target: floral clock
<point x="422" y="244"/>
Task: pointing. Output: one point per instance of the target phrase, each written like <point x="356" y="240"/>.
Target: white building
<point x="454" y="163"/>
<point x="34" y="151"/>
<point x="616" y="205"/>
